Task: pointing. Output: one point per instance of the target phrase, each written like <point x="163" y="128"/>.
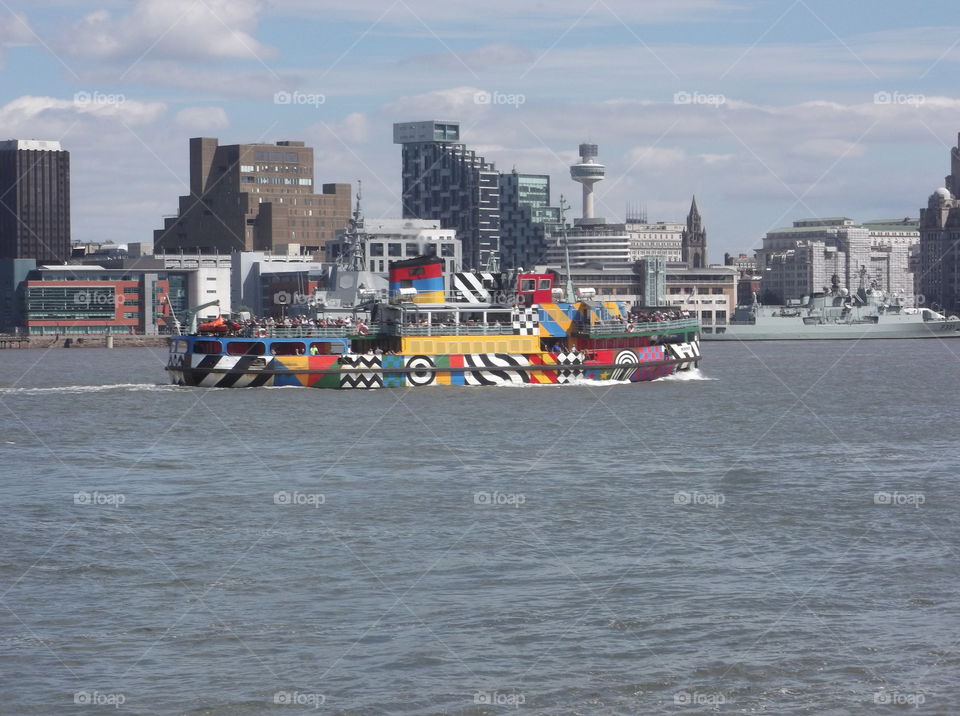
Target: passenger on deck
<point x="557" y="348"/>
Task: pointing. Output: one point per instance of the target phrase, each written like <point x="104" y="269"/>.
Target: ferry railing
<point x="448" y="329"/>
<point x="313" y="331"/>
<point x="608" y="328"/>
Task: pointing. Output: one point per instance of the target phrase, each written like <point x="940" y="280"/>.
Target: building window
<point x="413" y="249"/>
<point x="376" y="249"/>
<point x="394" y="249"/>
<point x="447" y="250"/>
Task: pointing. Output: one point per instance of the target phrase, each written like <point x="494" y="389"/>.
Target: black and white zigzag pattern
<point x="350" y="379"/>
<point x="526" y="322"/>
<point x="564" y="375"/>
<point x="471" y="287"/>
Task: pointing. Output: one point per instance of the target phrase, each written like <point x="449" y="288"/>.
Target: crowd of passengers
<point x="252" y="327"/>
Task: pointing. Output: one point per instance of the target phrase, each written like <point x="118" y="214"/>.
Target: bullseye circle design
<point x="423" y="377"/>
<point x="625" y="357"/>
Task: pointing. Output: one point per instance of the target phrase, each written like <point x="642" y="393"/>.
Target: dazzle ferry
<point x="489" y="329"/>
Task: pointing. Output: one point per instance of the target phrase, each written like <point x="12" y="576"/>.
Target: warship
<point x="837" y="314"/>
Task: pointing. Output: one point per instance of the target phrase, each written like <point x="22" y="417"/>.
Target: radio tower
<point x="588" y="172"/>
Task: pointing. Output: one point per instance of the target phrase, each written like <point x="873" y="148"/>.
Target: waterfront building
<point x="528" y="223"/>
<point x="939" y="280"/>
<point x="390" y="240"/>
<point x="253" y="197"/>
<point x="660" y="238"/>
<point x="93" y="300"/>
<point x="253" y="272"/>
<point x="694" y="239"/>
<point x="709" y="293"/>
<point x="803" y="259"/>
<point x="34" y="200"/>
<point x="445" y="181"/>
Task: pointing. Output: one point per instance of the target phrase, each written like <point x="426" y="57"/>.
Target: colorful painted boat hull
<point x="367" y="371"/>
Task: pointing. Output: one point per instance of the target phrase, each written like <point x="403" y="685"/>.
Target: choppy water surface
<point x="780" y="536"/>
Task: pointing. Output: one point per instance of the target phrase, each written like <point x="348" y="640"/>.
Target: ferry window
<point x="545" y="284"/>
<point x="528" y="284"/>
<point x="288" y="349"/>
<point x="178" y="346"/>
<point x="241" y="348"/>
<point x="207" y="347"/>
<point x="376" y="249"/>
<point x="319" y="349"/>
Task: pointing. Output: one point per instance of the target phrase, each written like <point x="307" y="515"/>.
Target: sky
<point x="768" y="110"/>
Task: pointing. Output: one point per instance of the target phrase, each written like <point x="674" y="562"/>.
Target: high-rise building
<point x="34" y="201"/>
<point x="940" y="242"/>
<point x="694" y="239"/>
<point x="253" y="197"/>
<point x="528" y="224"/>
<point x="444" y="180"/>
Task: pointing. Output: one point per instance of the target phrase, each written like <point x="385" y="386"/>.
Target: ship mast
<point x="566" y="247"/>
<point x="352" y="257"/>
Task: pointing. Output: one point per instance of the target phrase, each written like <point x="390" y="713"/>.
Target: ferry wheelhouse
<point x="489" y="329"/>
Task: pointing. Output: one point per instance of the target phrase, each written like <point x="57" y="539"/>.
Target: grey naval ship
<point x="835" y="314"/>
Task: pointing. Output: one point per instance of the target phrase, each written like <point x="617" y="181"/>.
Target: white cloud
<point x="653" y="157"/>
<point x="202" y="119"/>
<point x="32" y="116"/>
<point x="177" y="29"/>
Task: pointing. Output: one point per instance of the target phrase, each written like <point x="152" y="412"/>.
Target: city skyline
<point x="779" y="112"/>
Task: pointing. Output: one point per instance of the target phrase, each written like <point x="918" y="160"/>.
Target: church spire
<point x="694" y="239"/>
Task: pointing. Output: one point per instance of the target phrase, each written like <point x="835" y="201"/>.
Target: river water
<point x="777" y="535"/>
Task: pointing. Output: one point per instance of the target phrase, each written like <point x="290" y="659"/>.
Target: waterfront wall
<point x="21" y="342"/>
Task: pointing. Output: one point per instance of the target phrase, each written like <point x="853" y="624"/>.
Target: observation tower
<point x="588" y="172"/>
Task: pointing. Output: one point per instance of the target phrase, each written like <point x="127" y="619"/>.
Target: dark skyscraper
<point x="34" y="201"/>
<point x="444" y="180"/>
<point x="253" y="197"/>
<point x="693" y="241"/>
<point x="526" y="219"/>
